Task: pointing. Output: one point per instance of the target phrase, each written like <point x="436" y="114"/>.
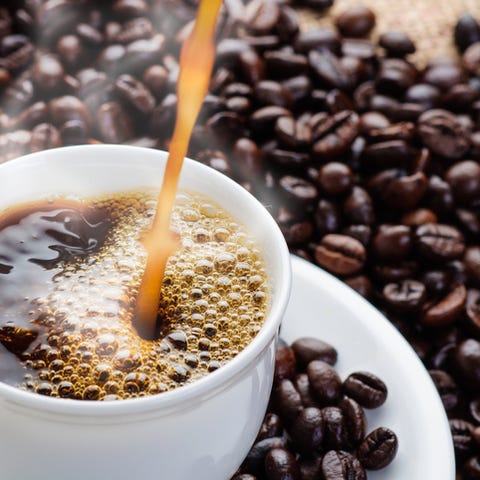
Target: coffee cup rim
<point x="201" y="389"/>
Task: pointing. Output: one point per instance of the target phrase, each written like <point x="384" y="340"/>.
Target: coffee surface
<point x="69" y="277"/>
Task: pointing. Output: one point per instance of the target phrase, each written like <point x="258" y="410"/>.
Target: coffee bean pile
<point x="315" y="425"/>
<point x="369" y="163"/>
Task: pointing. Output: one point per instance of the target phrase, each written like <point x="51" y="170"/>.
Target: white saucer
<point x="323" y="307"/>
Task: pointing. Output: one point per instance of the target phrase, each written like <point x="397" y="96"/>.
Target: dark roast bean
<point x="358" y="207"/>
<point x="395" y="76"/>
<point x="443" y="134"/>
<point x="298" y="88"/>
<point x="261" y="16"/>
<point x="310" y="468"/>
<point x="358" y="49"/>
<point x="378" y="449"/>
<point x="298" y="190"/>
<point x="354" y="419"/>
<point x="446" y="310"/>
<point x="302" y="384"/>
<point x="405" y="295"/>
<point x="334" y="135"/>
<point x="439" y="195"/>
<point x="467" y="32"/>
<point x="471" y="468"/>
<point x="67" y="108"/>
<point x="335" y="178"/>
<point x="341" y="465"/>
<point x="264" y="119"/>
<point x="307" y="431"/>
<point x="280" y="464"/>
<point x="362" y="233"/>
<point x="361" y="284"/>
<point x="307" y="349"/>
<point x="45" y="136"/>
<point x="252" y="66"/>
<point x="287" y="400"/>
<point x="444" y="73"/>
<point x="317" y="39"/>
<point x="335" y="429"/>
<point x="16" y="52"/>
<point x="327" y="217"/>
<point x="447" y="388"/>
<point x="472" y="311"/>
<point x="292" y="133"/>
<point x="418" y="217"/>
<point x="471" y="58"/>
<point x="397" y="44"/>
<point x="367" y="389"/>
<point x="439" y="242"/>
<point x="472" y="264"/>
<point x="288" y="23"/>
<point x="268" y="92"/>
<point x="462" y="436"/>
<point x="272" y="426"/>
<point x="474" y="408"/>
<point x="356" y="21"/>
<point x="464" y="178"/>
<point x="329" y="70"/>
<point x="325" y="382"/>
<point x="284" y="65"/>
<point x="392" y="242"/>
<point x="135" y="94"/>
<point x="467" y="361"/>
<point x="113" y="123"/>
<point x="436" y="281"/>
<point x="284" y="363"/>
<point x="340" y="254"/>
<point x="254" y="461"/>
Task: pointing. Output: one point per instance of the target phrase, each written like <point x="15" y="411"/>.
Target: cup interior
<point x="88" y="171"/>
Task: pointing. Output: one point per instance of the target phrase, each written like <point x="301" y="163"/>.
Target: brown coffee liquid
<point x="196" y="63"/>
<point x="69" y="279"/>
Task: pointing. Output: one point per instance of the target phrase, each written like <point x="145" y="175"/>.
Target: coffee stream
<point x="196" y="64"/>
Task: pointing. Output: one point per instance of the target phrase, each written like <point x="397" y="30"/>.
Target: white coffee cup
<point x="200" y="431"/>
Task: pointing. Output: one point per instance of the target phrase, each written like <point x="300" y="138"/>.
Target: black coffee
<point x="69" y="275"/>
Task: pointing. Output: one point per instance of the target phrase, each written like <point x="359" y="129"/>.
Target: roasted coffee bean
<point x="424" y="94"/>
<point x="254" y="461"/>
<point x="471" y="58"/>
<point x="356" y="21"/>
<point x="406" y="295"/>
<point x="310" y="468"/>
<point x="335" y="178"/>
<point x="397" y="44"/>
<point x="472" y="311"/>
<point x="135" y="94"/>
<point x="45" y="136"/>
<point x="341" y="465"/>
<point x="283" y="65"/>
<point x="357" y="49"/>
<point x="446" y="310"/>
<point x="329" y="70"/>
<point x="444" y="74"/>
<point x="462" y="436"/>
<point x="395" y="76"/>
<point x="16" y="52"/>
<point x="292" y="133"/>
<point x="297" y="190"/>
<point x="261" y="16"/>
<point x="327" y="217"/>
<point x="252" y="66"/>
<point x="67" y="108"/>
<point x="302" y="384"/>
<point x="439" y="242"/>
<point x="325" y="382"/>
<point x="284" y="363"/>
<point x="392" y="243"/>
<point x="362" y="233"/>
<point x="464" y="178"/>
<point x="447" y="388"/>
<point x="467" y="32"/>
<point x="318" y="39"/>
<point x="268" y="92"/>
<point x="280" y="464"/>
<point x="418" y="217"/>
<point x="335" y="429"/>
<point x="361" y="284"/>
<point x="307" y="349"/>
<point x="367" y="389"/>
<point x="472" y="264"/>
<point x="471" y="468"/>
<point x="272" y="426"/>
<point x="467" y="361"/>
<point x="443" y="134"/>
<point x="334" y="135"/>
<point x="307" y="431"/>
<point x="358" y="207"/>
<point x="354" y="419"/>
<point x="298" y="88"/>
<point x="436" y="281"/>
<point x="113" y="123"/>
<point x="378" y="449"/>
<point x="264" y="119"/>
<point x="287" y="400"/>
<point x="439" y="195"/>
<point x="340" y="254"/>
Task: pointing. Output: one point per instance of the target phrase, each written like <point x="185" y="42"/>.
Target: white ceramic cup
<point x="200" y="431"/>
